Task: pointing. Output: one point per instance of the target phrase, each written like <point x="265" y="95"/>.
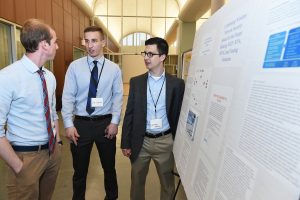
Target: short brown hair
<point x="33" y="32"/>
<point x="94" y="29"/>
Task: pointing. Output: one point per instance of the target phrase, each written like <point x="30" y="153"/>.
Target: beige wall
<point x="172" y="51"/>
<point x="132" y="65"/>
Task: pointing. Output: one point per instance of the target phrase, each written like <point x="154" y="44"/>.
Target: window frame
<point x="13" y="44"/>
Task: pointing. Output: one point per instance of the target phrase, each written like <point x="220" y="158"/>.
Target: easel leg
<point x="178" y="184"/>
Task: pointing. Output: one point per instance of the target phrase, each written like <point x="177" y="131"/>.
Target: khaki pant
<point x="160" y="151"/>
<point x="36" y="180"/>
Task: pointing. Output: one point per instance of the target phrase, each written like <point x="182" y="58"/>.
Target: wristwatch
<point x="60" y="142"/>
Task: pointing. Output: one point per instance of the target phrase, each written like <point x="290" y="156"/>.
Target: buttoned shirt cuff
<point x="115" y="119"/>
<point x="68" y="123"/>
<point x="55" y="117"/>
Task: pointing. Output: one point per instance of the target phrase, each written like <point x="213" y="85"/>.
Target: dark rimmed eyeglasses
<point x="149" y="54"/>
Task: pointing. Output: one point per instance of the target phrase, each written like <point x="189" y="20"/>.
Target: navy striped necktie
<point x="51" y="136"/>
<point x="92" y="88"/>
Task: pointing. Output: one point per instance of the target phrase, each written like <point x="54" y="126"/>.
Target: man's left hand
<point x="111" y="131"/>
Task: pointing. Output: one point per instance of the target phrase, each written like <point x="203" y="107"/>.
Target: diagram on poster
<point x="191" y="124"/>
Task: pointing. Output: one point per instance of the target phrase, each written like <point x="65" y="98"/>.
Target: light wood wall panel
<point x="81" y="29"/>
<point x="44" y="10"/>
<point x="7" y="10"/>
<point x="30" y="8"/>
<point x="68" y="5"/>
<point x="87" y="22"/>
<point x="58" y="19"/>
<point x="76" y="35"/>
<point x="20" y="12"/>
<point x="25" y="9"/>
<point x="68" y="27"/>
<point x="81" y="18"/>
<point x="59" y="2"/>
<point x="68" y="54"/>
<point x="111" y="46"/>
<point x="59" y="71"/>
<point x="75" y="12"/>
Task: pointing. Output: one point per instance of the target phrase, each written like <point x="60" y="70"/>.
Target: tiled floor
<point x="95" y="188"/>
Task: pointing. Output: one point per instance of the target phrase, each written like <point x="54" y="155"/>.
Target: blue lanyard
<point x="155" y="103"/>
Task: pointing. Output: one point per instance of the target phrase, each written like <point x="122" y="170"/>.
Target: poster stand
<point x="178" y="184"/>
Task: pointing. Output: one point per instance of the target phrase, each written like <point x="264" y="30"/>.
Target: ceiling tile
<point x="144" y="8"/>
<point x="114" y="26"/>
<point x="115" y="7"/>
<point x="129" y="25"/>
<point x="129" y="7"/>
<point x="158" y="8"/>
<point x="144" y="25"/>
<point x="158" y="27"/>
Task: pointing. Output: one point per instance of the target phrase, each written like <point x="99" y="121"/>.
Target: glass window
<point x="11" y="46"/>
<point x="20" y="48"/>
<point x="48" y="65"/>
<point x="129" y="40"/>
<point x="142" y="38"/>
<point x="135" y="39"/>
<point x="78" y="53"/>
<point x="5" y="44"/>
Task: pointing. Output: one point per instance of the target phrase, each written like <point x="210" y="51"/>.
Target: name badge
<point x="96" y="102"/>
<point x="156" y="123"/>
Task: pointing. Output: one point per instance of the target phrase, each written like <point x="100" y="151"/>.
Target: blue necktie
<point x="92" y="88"/>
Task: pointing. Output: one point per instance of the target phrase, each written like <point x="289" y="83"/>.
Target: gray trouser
<point x="160" y="151"/>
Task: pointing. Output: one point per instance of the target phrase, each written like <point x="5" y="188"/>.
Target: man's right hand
<point x="126" y="152"/>
<point x="72" y="135"/>
<point x="9" y="156"/>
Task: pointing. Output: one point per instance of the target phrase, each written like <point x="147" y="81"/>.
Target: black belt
<point x="156" y="135"/>
<point x="93" y="118"/>
<point x="30" y="148"/>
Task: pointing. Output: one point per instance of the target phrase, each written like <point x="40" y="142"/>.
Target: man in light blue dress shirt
<point x="90" y="120"/>
<point x="24" y="145"/>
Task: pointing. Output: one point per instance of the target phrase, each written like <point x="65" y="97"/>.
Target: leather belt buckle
<point x="30" y="148"/>
<point x="157" y="135"/>
<point x="93" y="117"/>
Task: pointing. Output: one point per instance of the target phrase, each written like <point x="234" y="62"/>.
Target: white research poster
<point x="238" y="135"/>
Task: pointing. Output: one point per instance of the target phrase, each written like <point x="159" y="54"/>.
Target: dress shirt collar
<point x="90" y="61"/>
<point x="156" y="78"/>
<point x="29" y="65"/>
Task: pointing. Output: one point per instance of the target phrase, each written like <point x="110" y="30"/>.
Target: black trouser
<point x="90" y="132"/>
